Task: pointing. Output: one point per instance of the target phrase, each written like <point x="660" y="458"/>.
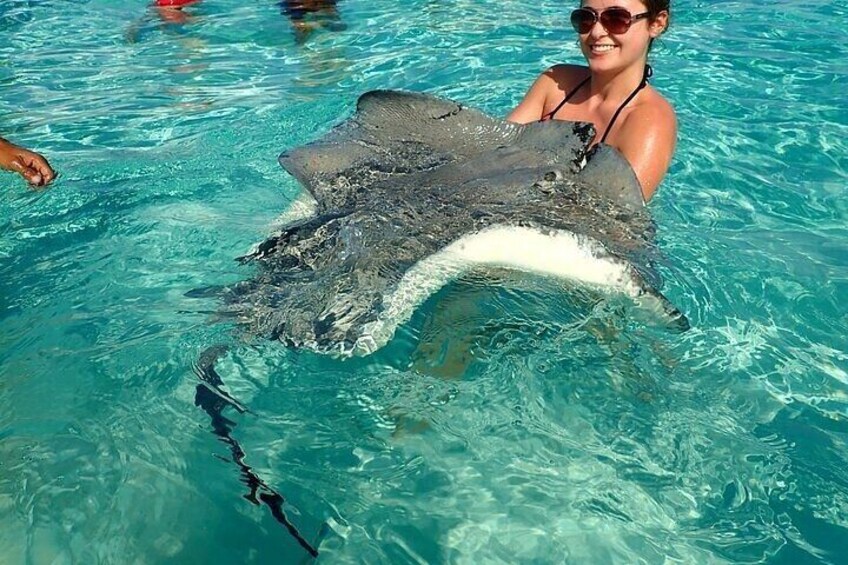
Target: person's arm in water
<point x="30" y="165"/>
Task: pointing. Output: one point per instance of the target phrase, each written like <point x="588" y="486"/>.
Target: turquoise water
<point x="504" y="423"/>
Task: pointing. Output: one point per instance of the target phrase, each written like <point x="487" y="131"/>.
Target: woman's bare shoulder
<point x="647" y="139"/>
<point x="565" y="74"/>
<point x="547" y="90"/>
<point x="657" y="103"/>
<point x="652" y="113"/>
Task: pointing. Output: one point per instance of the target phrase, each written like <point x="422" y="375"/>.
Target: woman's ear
<point x="658" y="24"/>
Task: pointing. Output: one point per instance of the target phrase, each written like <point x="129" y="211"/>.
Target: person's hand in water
<point x="33" y="167"/>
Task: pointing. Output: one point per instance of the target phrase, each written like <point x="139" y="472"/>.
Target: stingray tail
<point x="213" y="399"/>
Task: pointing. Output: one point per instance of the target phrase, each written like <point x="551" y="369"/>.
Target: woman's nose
<point x="598" y="30"/>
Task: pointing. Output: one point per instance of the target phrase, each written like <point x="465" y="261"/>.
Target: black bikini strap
<point x="645" y="76"/>
<point x="550" y="115"/>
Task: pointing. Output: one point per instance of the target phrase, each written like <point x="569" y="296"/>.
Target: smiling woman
<point x="612" y="92"/>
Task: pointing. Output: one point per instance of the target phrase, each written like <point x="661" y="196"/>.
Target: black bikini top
<point x="645" y="76"/>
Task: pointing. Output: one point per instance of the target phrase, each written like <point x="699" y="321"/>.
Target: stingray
<point x="412" y="191"/>
<point x="409" y="193"/>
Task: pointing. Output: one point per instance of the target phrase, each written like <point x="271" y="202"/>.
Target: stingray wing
<point x="609" y="175"/>
<point x="394" y="133"/>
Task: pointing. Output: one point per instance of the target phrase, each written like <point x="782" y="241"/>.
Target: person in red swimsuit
<point x="612" y="91"/>
<point x="175" y="4"/>
<point x="171" y="11"/>
<point x="30" y="165"/>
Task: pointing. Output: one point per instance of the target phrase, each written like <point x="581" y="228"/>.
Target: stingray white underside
<point x="556" y="253"/>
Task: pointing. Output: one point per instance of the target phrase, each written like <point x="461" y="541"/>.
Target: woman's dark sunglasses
<point x="615" y="20"/>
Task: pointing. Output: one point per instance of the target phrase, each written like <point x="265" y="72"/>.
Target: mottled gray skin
<point x="404" y="177"/>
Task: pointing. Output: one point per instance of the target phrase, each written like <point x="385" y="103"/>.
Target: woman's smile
<point x="601" y="48"/>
